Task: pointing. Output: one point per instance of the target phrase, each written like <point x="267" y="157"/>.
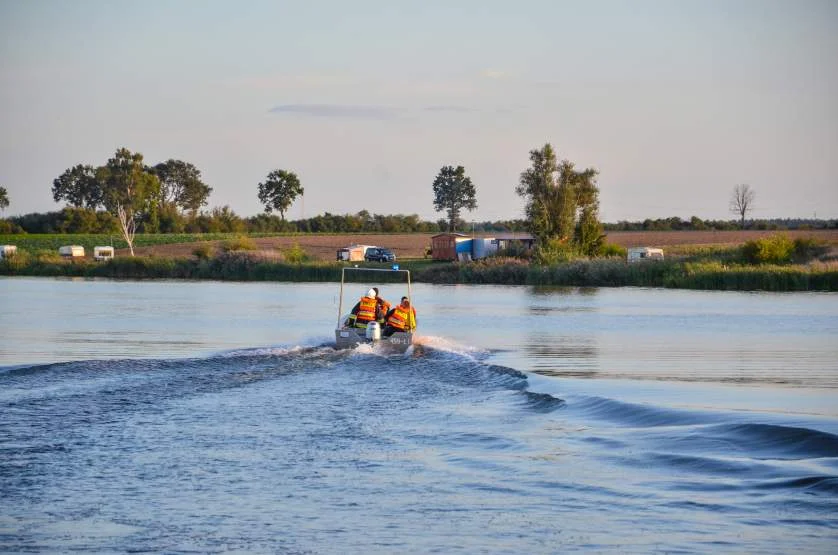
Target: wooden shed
<point x="444" y="245"/>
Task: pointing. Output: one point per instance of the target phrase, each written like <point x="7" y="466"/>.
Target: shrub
<point x="610" y="249"/>
<point x="775" y="249"/>
<point x="48" y="257"/>
<point x="8" y="227"/>
<point x="16" y="263"/>
<point x="296" y="254"/>
<point x="239" y="243"/>
<point x="203" y="251"/>
<point x="809" y="248"/>
<point x="515" y="249"/>
<point x="554" y="251"/>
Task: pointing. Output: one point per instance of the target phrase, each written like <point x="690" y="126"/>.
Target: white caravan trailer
<point x="102" y="253"/>
<point x="71" y="251"/>
<point x="7" y="251"/>
<point x="638" y="254"/>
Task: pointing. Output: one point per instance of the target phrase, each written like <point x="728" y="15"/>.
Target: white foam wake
<point x="447" y="345"/>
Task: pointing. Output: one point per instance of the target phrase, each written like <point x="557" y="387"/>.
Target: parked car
<point x="377" y="254"/>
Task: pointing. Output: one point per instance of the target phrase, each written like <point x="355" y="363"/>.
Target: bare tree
<point x="742" y="201"/>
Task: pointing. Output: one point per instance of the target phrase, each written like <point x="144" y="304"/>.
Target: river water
<point x="210" y="417"/>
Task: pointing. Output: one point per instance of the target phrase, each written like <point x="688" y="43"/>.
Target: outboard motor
<point x="373" y="331"/>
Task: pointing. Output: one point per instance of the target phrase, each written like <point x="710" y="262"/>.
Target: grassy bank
<point x="244" y="266"/>
<point x="616" y="273"/>
<point x="51" y="241"/>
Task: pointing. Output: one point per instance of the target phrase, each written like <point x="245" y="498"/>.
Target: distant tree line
<point x="697" y="224"/>
<point x="224" y="220"/>
<point x="126" y="196"/>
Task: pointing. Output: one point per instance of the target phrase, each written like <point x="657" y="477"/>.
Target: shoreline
<point x="599" y="272"/>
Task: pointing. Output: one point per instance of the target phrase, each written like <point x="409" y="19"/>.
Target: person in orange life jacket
<point x="382" y="307"/>
<point x="364" y="311"/>
<point x="400" y="318"/>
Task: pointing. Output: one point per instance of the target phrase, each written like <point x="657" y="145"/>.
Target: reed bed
<point x="599" y="272"/>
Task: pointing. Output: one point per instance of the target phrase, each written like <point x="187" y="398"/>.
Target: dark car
<point x="377" y="254"/>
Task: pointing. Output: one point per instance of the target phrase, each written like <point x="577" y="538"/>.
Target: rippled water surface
<point x="216" y="417"/>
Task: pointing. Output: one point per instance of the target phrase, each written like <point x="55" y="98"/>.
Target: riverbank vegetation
<point x="781" y="264"/>
<point x="157" y="210"/>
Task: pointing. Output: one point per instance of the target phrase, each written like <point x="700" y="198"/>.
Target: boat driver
<point x="364" y="311"/>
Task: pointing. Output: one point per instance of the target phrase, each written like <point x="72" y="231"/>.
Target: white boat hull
<point x="348" y="338"/>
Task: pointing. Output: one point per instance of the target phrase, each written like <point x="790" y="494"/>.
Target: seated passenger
<point x="401" y="318"/>
<point x="382" y="307"/>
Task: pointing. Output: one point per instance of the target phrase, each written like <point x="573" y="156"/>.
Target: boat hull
<point x="349" y="338"/>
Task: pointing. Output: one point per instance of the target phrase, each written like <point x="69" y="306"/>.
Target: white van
<point x="637" y="254"/>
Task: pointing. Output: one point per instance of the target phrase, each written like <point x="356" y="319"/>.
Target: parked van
<point x="102" y="253"/>
<point x="7" y="251"/>
<point x="637" y="254"/>
<point x="71" y="251"/>
<point x="378" y="254"/>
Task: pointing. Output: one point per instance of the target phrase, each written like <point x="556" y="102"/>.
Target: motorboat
<point x="348" y="336"/>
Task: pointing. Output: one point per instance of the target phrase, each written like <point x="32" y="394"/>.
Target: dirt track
<point x="413" y="245"/>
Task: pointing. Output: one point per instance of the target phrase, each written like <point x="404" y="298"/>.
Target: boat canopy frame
<point x="356" y="269"/>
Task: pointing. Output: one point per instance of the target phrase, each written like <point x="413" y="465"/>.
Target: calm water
<point x="214" y="417"/>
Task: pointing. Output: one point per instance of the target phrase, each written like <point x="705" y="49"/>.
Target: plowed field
<point x="413" y="245"/>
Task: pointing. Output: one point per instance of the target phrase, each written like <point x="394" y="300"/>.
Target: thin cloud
<point x="454" y="109"/>
<point x="493" y="74"/>
<point x="336" y="111"/>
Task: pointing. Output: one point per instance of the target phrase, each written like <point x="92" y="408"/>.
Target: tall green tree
<point x="4" y="198"/>
<point x="538" y="184"/>
<point x="279" y="191"/>
<point x="453" y="191"/>
<point x="129" y="192"/>
<point x="181" y="185"/>
<point x="78" y="186"/>
<point x="562" y="203"/>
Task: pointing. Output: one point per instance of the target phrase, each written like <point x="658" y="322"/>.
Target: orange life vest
<point x="383" y="309"/>
<point x="402" y="319"/>
<point x="366" y="311"/>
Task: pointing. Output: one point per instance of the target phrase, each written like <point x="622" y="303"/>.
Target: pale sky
<point x="673" y="101"/>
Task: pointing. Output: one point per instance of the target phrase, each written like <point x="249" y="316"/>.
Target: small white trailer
<point x="639" y="254"/>
<point x="353" y="253"/>
<point x="102" y="253"/>
<point x="71" y="251"/>
<point x="7" y="251"/>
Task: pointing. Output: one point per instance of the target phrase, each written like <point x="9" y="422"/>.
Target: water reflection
<point x="563" y="355"/>
<point x="553" y="290"/>
<point x="539" y="309"/>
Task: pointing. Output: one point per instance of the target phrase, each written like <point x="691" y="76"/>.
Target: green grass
<point x="51" y="241"/>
